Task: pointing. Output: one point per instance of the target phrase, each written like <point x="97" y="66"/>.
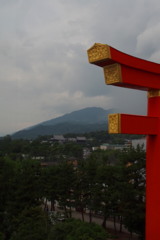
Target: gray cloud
<point x="44" y="67"/>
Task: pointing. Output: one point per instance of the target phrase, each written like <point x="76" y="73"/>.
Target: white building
<point x="141" y="142"/>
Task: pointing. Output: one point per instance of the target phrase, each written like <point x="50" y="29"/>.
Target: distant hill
<point x="81" y="121"/>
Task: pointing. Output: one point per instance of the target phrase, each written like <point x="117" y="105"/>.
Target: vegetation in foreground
<point x="115" y="192"/>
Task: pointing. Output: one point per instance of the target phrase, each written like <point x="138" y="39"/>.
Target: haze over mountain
<point x="81" y="121"/>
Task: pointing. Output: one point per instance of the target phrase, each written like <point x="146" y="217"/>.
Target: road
<point x="125" y="235"/>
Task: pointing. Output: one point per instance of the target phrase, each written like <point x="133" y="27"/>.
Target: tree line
<point x="94" y="185"/>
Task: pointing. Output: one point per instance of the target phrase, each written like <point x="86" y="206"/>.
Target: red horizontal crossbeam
<point x="103" y="54"/>
<point x="132" y="124"/>
<point x="123" y="70"/>
<point x="124" y="76"/>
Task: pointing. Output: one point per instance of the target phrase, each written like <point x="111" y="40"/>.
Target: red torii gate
<point x="127" y="71"/>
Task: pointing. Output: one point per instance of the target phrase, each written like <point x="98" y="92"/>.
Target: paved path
<point x="109" y="225"/>
<point x="125" y="235"/>
<point x="98" y="220"/>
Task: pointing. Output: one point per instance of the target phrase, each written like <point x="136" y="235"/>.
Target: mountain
<point x="81" y="121"/>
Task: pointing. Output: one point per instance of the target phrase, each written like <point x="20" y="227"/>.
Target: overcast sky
<point x="44" y="69"/>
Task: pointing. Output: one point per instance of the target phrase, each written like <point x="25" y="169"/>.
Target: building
<point x="58" y="138"/>
<point x="141" y="142"/>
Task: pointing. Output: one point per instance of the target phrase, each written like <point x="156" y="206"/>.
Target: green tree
<point x="133" y="195"/>
<point x="32" y="223"/>
<point x="77" y="230"/>
<point x="21" y="191"/>
<point x="81" y="191"/>
<point x="108" y="191"/>
<point x="50" y="184"/>
<point x="88" y="171"/>
<point x="26" y="186"/>
<point x="7" y="176"/>
<point x="66" y="183"/>
<point x="73" y="150"/>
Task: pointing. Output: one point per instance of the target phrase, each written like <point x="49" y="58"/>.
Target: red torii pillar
<point x="127" y="71"/>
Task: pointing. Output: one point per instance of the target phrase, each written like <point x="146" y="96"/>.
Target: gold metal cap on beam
<point x="98" y="52"/>
<point x="153" y="93"/>
<point x="114" y="123"/>
<point x="112" y="73"/>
